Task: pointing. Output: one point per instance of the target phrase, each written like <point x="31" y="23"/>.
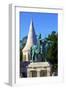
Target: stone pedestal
<point x="38" y="69"/>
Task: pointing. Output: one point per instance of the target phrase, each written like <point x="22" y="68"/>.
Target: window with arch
<point x="34" y="73"/>
<point x="43" y="73"/>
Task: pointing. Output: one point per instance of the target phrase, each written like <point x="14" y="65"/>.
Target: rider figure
<point x="39" y="43"/>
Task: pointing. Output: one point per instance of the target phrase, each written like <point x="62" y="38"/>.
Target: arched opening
<point x="34" y="73"/>
<point x="43" y="73"/>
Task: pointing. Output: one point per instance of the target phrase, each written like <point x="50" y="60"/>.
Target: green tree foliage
<point x="52" y="50"/>
<point x="21" y="54"/>
<point x="22" y="44"/>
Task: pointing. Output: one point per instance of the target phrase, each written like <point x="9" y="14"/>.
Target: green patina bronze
<point x="37" y="50"/>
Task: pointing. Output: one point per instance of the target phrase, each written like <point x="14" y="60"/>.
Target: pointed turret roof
<point x="31" y="40"/>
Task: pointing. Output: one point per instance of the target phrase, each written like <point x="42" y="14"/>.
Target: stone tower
<point x="31" y="40"/>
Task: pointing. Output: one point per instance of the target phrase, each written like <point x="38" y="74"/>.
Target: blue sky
<point x="44" y="23"/>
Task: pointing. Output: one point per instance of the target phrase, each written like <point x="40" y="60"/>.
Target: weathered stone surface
<point x="39" y="64"/>
<point x="38" y="69"/>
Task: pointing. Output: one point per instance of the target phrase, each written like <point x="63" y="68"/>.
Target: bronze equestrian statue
<point x="37" y="50"/>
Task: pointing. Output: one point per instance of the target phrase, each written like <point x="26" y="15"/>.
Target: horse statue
<point x="37" y="50"/>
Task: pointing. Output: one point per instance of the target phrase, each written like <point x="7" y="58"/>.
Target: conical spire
<point x="31" y="34"/>
<point x="31" y="40"/>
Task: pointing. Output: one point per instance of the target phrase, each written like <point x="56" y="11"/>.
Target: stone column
<point x="38" y="73"/>
<point x="48" y="71"/>
<point x="29" y="73"/>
